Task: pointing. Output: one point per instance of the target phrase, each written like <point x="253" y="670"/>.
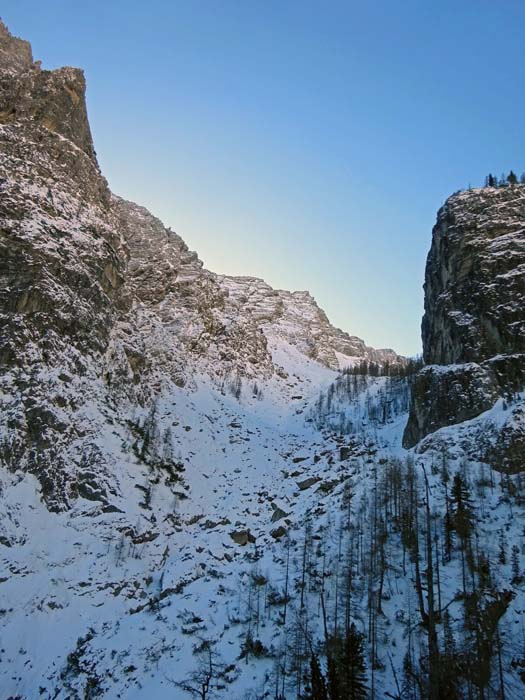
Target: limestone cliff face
<point x="475" y="278"/>
<point x="15" y="54"/>
<point x="297" y="318"/>
<point x="54" y="99"/>
<point x="473" y="329"/>
<point x="62" y="261"/>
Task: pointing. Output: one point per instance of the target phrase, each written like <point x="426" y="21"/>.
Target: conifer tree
<point x="515" y="564"/>
<point x="409" y="686"/>
<point x="353" y="666"/>
<point x="502" y="552"/>
<point x="318" y="689"/>
<point x="460" y="496"/>
<point x="333" y="679"/>
<point x="448" y="663"/>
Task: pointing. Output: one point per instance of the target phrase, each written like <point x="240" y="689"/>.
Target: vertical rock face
<point x="62" y="264"/>
<point x="473" y="329"/>
<point x="475" y="278"/>
<point x="54" y="99"/>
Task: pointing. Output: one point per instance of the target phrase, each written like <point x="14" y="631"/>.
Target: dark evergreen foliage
<point x="504" y="180"/>
<point x="346" y="669"/>
<point x="317" y="684"/>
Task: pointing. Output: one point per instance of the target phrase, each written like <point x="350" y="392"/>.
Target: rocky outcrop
<point x="444" y="395"/>
<point x="296" y="318"/>
<point x="15" y="54"/>
<point x="448" y="394"/>
<point x="53" y="99"/>
<point x="61" y="280"/>
<point x="473" y="329"/>
<point x="475" y="278"/>
<point x="507" y="451"/>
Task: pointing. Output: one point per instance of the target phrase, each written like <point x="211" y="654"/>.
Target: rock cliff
<point x="475" y="278"/>
<point x="297" y="318"/>
<point x="473" y="329"/>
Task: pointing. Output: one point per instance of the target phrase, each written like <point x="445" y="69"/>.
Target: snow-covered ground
<point x="128" y="599"/>
<point x="88" y="570"/>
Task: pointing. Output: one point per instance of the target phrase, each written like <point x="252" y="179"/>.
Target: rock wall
<point x="297" y="318"/>
<point x="54" y="99"/>
<point x="475" y="278"/>
<point x="473" y="329"/>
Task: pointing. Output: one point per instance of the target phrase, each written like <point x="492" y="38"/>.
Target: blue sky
<point x="308" y="143"/>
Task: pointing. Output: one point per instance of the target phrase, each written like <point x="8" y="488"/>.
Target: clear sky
<point x="308" y="143"/>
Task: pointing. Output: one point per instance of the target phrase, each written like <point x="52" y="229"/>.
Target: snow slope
<point x="116" y="601"/>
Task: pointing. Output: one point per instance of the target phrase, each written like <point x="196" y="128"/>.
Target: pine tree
<point x="333" y="679"/>
<point x="484" y="571"/>
<point x="409" y="686"/>
<point x="354" y="668"/>
<point x="318" y="689"/>
<point x="515" y="564"/>
<point x="449" y="534"/>
<point x="448" y="662"/>
<point x="461" y="502"/>
<point x="502" y="552"/>
<point x="511" y="178"/>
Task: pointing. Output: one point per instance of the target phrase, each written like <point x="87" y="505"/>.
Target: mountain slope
<point x="194" y="499"/>
<point x="98" y="297"/>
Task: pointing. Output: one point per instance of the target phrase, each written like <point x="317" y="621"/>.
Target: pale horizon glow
<point x="309" y="144"/>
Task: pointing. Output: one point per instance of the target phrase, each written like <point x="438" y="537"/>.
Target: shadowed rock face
<point x="62" y="264"/>
<point x="61" y="261"/>
<point x="446" y="395"/>
<point x="473" y="329"/>
<point x="53" y="99"/>
<point x="475" y="278"/>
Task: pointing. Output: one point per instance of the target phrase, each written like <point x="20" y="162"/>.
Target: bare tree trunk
<point x="419" y="587"/>
<point x="433" y="649"/>
<point x="500" y="669"/>
<point x="438" y="578"/>
<point x="287" y="577"/>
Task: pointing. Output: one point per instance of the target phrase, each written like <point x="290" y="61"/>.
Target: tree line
<point x="504" y="180"/>
<point x="385" y="369"/>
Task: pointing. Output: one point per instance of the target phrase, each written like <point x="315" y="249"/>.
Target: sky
<point x="307" y="143"/>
